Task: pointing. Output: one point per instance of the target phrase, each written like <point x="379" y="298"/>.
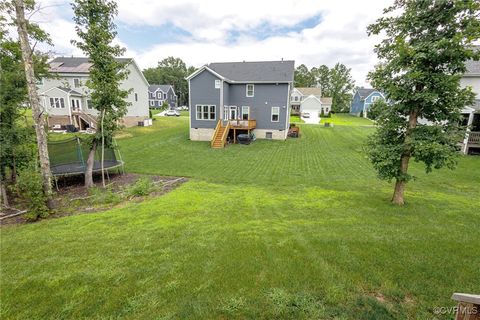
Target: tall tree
<point x="303" y="77"/>
<point x="26" y="31"/>
<point x="172" y="71"/>
<point x="341" y="86"/>
<point x="422" y="59"/>
<point x="96" y="29"/>
<point x="322" y="79"/>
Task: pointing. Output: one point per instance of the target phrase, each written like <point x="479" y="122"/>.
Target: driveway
<point x="314" y="118"/>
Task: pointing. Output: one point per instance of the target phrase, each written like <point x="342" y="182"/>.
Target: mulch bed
<point x="72" y="197"/>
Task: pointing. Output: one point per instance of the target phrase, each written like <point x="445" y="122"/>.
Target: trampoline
<point x="69" y="157"/>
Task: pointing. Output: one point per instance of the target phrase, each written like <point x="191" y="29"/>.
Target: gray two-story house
<point x="229" y="98"/>
<point x="160" y="93"/>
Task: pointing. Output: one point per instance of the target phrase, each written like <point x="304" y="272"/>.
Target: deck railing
<point x="219" y="124"/>
<point x="243" y="124"/>
<point x="474" y="137"/>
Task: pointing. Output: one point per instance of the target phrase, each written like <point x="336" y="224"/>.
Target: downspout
<point x="287" y="114"/>
<point x="69" y="108"/>
<point x="221" y="102"/>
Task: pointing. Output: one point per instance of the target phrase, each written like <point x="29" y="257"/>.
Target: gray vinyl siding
<point x="265" y="97"/>
<point x="202" y="91"/>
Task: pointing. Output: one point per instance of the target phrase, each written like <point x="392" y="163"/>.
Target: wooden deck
<point x="243" y="124"/>
<point x="220" y="134"/>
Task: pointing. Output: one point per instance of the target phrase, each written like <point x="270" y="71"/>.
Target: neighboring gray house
<point x="471" y="114"/>
<point x="66" y="99"/>
<point x="159" y="93"/>
<point x="233" y="97"/>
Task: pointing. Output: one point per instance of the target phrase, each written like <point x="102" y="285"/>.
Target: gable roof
<point x="309" y="91"/>
<point x="70" y="91"/>
<point x="162" y="87"/>
<point x="255" y="71"/>
<point x="326" y="100"/>
<point x="365" y="92"/>
<point x="76" y="64"/>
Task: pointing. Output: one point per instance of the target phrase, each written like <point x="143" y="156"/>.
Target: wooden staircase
<point x="219" y="138"/>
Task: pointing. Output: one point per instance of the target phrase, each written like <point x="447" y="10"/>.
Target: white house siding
<point x="311" y="105"/>
<point x="473" y="82"/>
<point x="136" y="82"/>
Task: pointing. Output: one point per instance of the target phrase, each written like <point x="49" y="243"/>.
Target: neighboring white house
<point x="66" y="99"/>
<point x="310" y="100"/>
<point x="472" y="114"/>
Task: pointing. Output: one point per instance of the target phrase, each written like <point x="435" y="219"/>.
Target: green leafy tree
<point x="422" y="60"/>
<point x="303" y="77"/>
<point x="172" y="71"/>
<point x="341" y="86"/>
<point x="96" y="29"/>
<point x="21" y="67"/>
<point x="322" y="79"/>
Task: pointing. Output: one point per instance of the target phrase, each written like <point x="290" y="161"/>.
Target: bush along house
<point x="229" y="98"/>
<point x="66" y="98"/>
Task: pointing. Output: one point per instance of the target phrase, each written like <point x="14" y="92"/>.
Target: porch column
<point x="467" y="134"/>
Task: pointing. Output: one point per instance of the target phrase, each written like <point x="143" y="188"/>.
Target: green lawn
<point x="300" y="229"/>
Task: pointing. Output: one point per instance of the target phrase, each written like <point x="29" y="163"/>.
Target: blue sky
<point x="311" y="32"/>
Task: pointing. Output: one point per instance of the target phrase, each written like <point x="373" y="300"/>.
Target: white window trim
<point x="55" y="99"/>
<point x="203" y="105"/>
<point x="152" y="103"/>
<point x="248" y="112"/>
<point x="218" y="84"/>
<point x="79" y="84"/>
<point x="253" y="90"/>
<point x="272" y="113"/>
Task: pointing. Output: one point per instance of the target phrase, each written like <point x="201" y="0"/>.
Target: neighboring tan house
<point x="362" y="100"/>
<point x="309" y="100"/>
<point x="66" y="99"/>
<point x="240" y="97"/>
<point x="471" y="114"/>
<point x="160" y="93"/>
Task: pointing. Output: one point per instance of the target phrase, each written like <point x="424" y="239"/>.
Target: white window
<point x="76" y="83"/>
<point x="89" y="104"/>
<point x="245" y="112"/>
<point x="164" y="96"/>
<point x="159" y="95"/>
<point x="57" y="103"/>
<point x="295" y="98"/>
<point x="218" y="83"/>
<point x="136" y="96"/>
<point x="375" y="98"/>
<point x="250" y="88"/>
<point x="205" y="112"/>
<point x="275" y="114"/>
<point x="152" y="103"/>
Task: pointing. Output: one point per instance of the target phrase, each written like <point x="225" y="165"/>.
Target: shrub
<point x="150" y="114"/>
<point x="104" y="196"/>
<point x="141" y="187"/>
<point x="29" y="184"/>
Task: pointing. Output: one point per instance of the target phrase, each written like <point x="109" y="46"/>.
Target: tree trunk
<point x="103" y="149"/>
<point x="89" y="169"/>
<point x="401" y="181"/>
<point x="3" y="194"/>
<point x="38" y="118"/>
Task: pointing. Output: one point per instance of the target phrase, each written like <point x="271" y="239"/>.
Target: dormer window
<point x="250" y="90"/>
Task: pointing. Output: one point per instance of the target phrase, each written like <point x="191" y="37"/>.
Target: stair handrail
<point x="215" y="132"/>
<point x="225" y="133"/>
<point x="90" y="118"/>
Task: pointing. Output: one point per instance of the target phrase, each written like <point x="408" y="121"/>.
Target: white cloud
<point x="339" y="37"/>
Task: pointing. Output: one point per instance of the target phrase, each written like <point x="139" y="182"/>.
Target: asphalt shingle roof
<point x="163" y="87"/>
<point x="308" y="91"/>
<point x="473" y="67"/>
<point x="365" y="92"/>
<point x="68" y="90"/>
<point x="75" y="64"/>
<point x="268" y="71"/>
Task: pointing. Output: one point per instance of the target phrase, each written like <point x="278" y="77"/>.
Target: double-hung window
<point x="205" y="112"/>
<point x="57" y="103"/>
<point x="218" y="84"/>
<point x="76" y="83"/>
<point x="245" y="112"/>
<point x="250" y="88"/>
<point x="275" y="114"/>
